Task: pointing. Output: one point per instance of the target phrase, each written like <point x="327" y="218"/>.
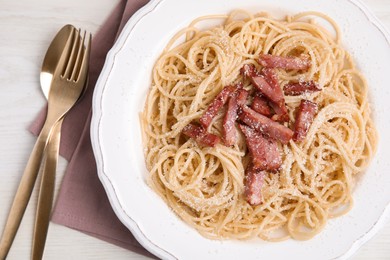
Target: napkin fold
<point x="82" y="203"/>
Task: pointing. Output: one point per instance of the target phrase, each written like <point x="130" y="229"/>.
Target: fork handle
<point x="23" y="193"/>
<point x="46" y="193"/>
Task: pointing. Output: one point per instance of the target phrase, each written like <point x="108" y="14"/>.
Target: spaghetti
<point x="204" y="185"/>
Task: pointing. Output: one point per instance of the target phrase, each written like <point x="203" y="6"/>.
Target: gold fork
<point x="67" y="86"/>
<point x="46" y="192"/>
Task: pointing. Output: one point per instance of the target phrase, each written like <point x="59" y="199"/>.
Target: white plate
<point x="116" y="137"/>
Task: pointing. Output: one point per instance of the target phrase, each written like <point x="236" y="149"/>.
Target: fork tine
<point x="77" y="63"/>
<point x="65" y="54"/>
<point x="72" y="57"/>
<point x="83" y="74"/>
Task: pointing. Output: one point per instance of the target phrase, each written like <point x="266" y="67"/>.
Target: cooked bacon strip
<point x="260" y="105"/>
<point x="287" y="63"/>
<point x="304" y="118"/>
<point x="268" y="85"/>
<point x="242" y="96"/>
<point x="253" y="184"/>
<point x="279" y="108"/>
<point x="216" y="105"/>
<point x="273" y="94"/>
<point x="270" y="76"/>
<point x="265" y="125"/>
<point x="300" y="87"/>
<point x="281" y="113"/>
<point x="249" y="70"/>
<point x="200" y="135"/>
<point x="229" y="131"/>
<point x="264" y="151"/>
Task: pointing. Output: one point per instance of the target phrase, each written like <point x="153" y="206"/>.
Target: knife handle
<point x="23" y="193"/>
<point x="46" y="193"/>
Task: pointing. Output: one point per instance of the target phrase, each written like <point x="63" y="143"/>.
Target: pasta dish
<point x="257" y="127"/>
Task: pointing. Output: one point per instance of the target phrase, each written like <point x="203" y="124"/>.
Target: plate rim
<point x="97" y="114"/>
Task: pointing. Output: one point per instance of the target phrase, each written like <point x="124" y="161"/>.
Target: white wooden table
<point x="26" y="29"/>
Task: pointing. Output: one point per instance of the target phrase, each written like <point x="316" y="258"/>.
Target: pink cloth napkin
<point x="82" y="203"/>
